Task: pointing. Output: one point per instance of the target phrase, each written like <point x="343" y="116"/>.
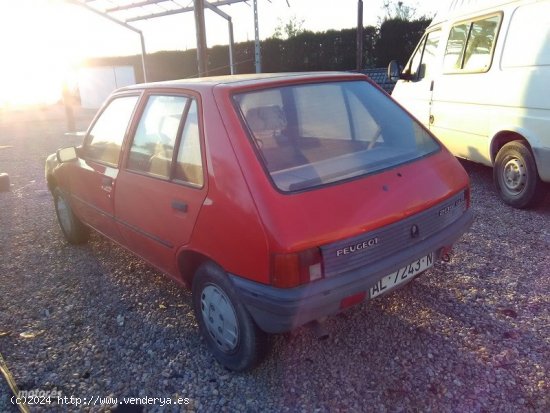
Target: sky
<point x="59" y="35"/>
<point x="76" y="32"/>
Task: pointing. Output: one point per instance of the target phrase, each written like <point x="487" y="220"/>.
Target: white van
<point x="480" y="81"/>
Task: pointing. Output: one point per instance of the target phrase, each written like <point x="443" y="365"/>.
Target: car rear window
<point x="314" y="134"/>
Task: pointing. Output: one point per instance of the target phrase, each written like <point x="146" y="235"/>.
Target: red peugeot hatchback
<point x="279" y="199"/>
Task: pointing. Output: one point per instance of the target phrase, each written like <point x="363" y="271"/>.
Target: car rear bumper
<point x="278" y="310"/>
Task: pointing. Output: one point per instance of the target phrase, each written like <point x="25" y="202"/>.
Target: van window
<point x="455" y="46"/>
<point x="424" y="58"/>
<point x="470" y="45"/>
<point x="311" y="135"/>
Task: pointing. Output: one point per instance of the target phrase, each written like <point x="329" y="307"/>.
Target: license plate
<point x="402" y="275"/>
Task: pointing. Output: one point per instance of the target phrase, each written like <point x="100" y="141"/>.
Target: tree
<point x="290" y="29"/>
<point x="398" y="10"/>
<point x="397" y="39"/>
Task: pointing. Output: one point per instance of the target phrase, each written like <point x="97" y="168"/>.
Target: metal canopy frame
<point x="123" y="12"/>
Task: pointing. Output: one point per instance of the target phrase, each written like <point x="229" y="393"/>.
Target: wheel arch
<point x="189" y="262"/>
<point x="502" y="138"/>
<point x="516" y="175"/>
<point x="505" y="136"/>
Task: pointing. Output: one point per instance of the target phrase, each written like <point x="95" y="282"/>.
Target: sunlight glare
<point x="37" y="53"/>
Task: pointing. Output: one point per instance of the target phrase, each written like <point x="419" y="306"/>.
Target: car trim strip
<point x="126" y="224"/>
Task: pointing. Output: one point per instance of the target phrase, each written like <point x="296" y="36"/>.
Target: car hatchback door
<point x="162" y="187"/>
<point x="93" y="177"/>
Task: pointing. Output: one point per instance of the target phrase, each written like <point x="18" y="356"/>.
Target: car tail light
<point x="294" y="269"/>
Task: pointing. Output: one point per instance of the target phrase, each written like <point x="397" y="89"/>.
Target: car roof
<point x="242" y="80"/>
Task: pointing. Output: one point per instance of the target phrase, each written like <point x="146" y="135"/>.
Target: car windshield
<point x="313" y="134"/>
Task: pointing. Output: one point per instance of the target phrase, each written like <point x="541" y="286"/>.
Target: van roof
<point x="451" y="9"/>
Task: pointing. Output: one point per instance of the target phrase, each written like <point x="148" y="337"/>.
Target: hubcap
<point x="514" y="175"/>
<point x="219" y="317"/>
<point x="64" y="214"/>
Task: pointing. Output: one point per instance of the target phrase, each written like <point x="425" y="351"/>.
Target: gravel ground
<point x="471" y="335"/>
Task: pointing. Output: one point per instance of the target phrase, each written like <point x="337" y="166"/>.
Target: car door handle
<point x="107" y="184"/>
<point x="179" y="206"/>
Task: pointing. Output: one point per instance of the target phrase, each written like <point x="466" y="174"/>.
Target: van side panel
<point x="461" y="107"/>
<point x="528" y="37"/>
<point x="525" y="65"/>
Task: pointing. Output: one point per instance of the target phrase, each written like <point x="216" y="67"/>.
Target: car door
<point x="162" y="187"/>
<point x="415" y="93"/>
<point x="93" y="177"/>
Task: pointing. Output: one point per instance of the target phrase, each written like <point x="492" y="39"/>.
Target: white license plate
<point x="402" y="275"/>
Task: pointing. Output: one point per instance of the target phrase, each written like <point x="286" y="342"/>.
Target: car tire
<point x="515" y="176"/>
<point x="73" y="229"/>
<point x="230" y="332"/>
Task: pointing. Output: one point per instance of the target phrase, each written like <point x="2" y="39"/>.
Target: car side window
<point x="470" y="45"/>
<point x="424" y="57"/>
<point x="155" y="138"/>
<point x="189" y="160"/>
<point x="105" y="138"/>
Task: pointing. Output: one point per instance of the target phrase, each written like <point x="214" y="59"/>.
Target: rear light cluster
<point x="294" y="269"/>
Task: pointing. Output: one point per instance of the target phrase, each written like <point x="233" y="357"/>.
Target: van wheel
<point x="515" y="176"/>
<point x="73" y="229"/>
<point x="229" y="330"/>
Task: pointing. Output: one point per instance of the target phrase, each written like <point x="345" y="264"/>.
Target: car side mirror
<point x="66" y="154"/>
<point x="422" y="71"/>
<point x="394" y="71"/>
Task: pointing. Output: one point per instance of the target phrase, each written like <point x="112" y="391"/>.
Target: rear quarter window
<point x="315" y="134"/>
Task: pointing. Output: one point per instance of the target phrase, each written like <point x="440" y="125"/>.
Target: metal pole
<point x="69" y="111"/>
<point x="201" y="37"/>
<point x="143" y="54"/>
<point x="230" y="27"/>
<point x="89" y="8"/>
<point x="231" y="44"/>
<point x="359" y="52"/>
<point x="257" y="50"/>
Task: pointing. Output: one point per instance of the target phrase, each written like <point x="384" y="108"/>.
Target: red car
<point x="279" y="199"/>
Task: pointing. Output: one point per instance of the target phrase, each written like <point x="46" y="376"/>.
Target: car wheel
<point x="515" y="176"/>
<point x="230" y="332"/>
<point x="73" y="229"/>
